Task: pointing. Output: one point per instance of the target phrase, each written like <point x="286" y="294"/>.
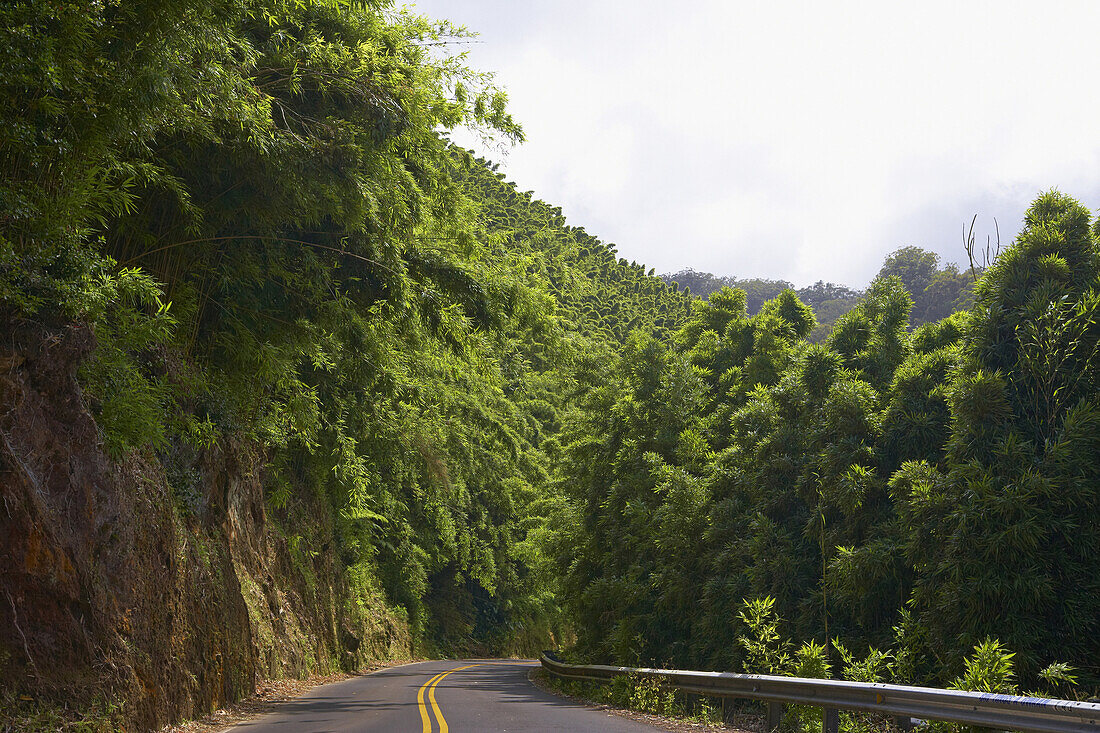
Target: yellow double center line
<point x="428" y="689"/>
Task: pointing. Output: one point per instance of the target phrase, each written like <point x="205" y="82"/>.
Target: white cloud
<point x="801" y="140"/>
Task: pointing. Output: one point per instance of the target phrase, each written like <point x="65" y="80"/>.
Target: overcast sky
<point x="793" y="140"/>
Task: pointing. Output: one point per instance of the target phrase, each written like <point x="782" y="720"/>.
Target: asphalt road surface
<point x="437" y="697"/>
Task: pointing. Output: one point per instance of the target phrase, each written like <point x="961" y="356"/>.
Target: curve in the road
<point x="451" y="697"/>
<point x="430" y="686"/>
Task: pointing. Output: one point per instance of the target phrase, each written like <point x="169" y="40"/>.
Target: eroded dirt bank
<point x="116" y="593"/>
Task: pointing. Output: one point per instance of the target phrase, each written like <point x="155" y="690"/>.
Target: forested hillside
<point x="291" y="384"/>
<point x="304" y="358"/>
<point x="916" y="493"/>
<point x="937" y="292"/>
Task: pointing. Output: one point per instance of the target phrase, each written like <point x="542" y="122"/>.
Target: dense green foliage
<point x="922" y="491"/>
<point x="827" y="300"/>
<point x="598" y="294"/>
<point x="937" y="292"/>
<point x="702" y="284"/>
<point x="252" y="204"/>
<point x="255" y="206"/>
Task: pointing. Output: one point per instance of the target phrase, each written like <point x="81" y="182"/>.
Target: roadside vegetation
<point x="989" y="668"/>
<point x="491" y="430"/>
<point x="921" y="491"/>
<point x="626" y="692"/>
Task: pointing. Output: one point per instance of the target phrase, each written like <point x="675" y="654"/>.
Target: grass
<point x="26" y="715"/>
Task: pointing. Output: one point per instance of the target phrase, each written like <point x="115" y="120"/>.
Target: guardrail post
<point x="775" y="715"/>
<point x="903" y="723"/>
<point x="830" y="720"/>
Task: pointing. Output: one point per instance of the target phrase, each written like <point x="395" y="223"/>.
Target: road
<point x="437" y="697"/>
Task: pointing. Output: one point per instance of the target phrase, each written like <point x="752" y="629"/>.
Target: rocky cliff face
<point x="113" y="591"/>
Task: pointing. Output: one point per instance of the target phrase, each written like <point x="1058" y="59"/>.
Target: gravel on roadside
<point x="269" y="694"/>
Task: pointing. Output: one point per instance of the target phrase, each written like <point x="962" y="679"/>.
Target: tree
<point x="936" y="292"/>
<point x="1004" y="536"/>
<point x="915" y="267"/>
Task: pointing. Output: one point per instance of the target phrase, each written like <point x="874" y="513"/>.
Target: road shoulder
<point x="267" y="698"/>
<point x="537" y="677"/>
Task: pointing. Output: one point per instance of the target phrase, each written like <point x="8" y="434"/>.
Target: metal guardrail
<point x="1001" y="712"/>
